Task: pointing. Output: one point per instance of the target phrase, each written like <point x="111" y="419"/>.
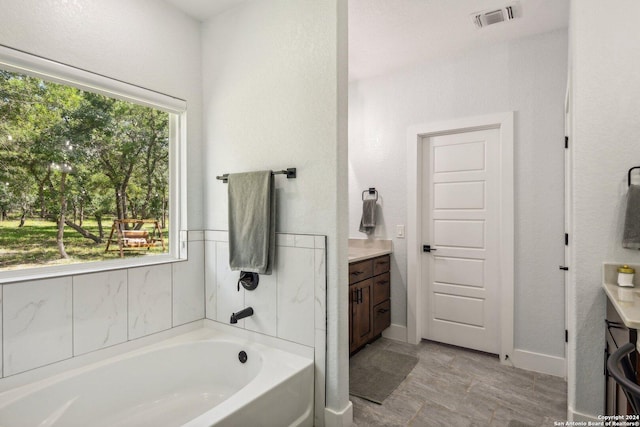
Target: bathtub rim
<point x="199" y="335"/>
<point x="277" y="367"/>
<point x="50" y="372"/>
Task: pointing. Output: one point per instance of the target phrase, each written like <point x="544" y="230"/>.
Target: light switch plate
<point x="400" y="231"/>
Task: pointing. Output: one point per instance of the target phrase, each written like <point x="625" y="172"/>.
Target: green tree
<point x="100" y="202"/>
<point x="72" y="154"/>
<point x="128" y="142"/>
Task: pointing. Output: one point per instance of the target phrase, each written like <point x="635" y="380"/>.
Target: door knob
<point x="428" y="248"/>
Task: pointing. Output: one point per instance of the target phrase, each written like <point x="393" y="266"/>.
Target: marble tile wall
<point x="289" y="304"/>
<point x="37" y="324"/>
<point x="46" y="321"/>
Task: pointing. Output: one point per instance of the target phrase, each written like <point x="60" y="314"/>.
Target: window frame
<point x="36" y="66"/>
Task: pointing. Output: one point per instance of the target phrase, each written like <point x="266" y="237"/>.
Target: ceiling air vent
<point x="493" y="16"/>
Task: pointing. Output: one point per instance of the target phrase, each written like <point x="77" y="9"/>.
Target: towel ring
<point x="371" y="191"/>
<point x="629" y="175"/>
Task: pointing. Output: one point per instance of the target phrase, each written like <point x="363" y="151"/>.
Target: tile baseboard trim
<point x="537" y="362"/>
<point x="396" y="332"/>
<point x="343" y="418"/>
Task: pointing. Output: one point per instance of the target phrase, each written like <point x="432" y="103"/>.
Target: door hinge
<point x="566" y="335"/>
<point x="566" y="239"/>
<point x="566" y="142"/>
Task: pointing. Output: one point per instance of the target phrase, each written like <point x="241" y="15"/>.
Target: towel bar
<point x="290" y="172"/>
<point x="629" y="175"/>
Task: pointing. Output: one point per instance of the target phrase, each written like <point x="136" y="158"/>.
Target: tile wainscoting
<point x="289" y="304"/>
<point x="49" y="323"/>
<point x="51" y="320"/>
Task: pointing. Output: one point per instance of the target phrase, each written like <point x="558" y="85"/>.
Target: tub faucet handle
<point x="248" y="280"/>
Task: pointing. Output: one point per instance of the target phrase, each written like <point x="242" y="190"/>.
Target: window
<point x="89" y="170"/>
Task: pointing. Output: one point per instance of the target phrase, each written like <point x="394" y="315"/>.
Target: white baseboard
<point x="396" y="332"/>
<point x="343" y="418"/>
<point x="573" y="415"/>
<point x="523" y="359"/>
<point x="537" y="362"/>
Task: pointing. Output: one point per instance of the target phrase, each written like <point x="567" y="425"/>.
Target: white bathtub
<point x="193" y="380"/>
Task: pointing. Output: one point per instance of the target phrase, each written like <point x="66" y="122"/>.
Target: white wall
<point x="145" y="43"/>
<point x="271" y="98"/>
<point x="605" y="59"/>
<point x="527" y="76"/>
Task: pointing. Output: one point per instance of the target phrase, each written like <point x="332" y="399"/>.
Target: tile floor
<point x="455" y="387"/>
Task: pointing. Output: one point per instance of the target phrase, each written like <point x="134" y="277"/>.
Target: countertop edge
<point x="612" y="290"/>
<point x="369" y="255"/>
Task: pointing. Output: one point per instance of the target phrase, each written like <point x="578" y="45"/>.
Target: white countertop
<point x="626" y="300"/>
<point x="361" y="249"/>
<point x="629" y="311"/>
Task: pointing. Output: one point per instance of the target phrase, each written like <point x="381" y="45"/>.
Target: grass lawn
<point x="34" y="244"/>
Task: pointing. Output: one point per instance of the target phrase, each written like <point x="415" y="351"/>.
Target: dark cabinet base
<point x="369" y="301"/>
<point x="617" y="334"/>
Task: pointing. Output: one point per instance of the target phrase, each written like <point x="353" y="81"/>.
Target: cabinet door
<point x="362" y="328"/>
<point x="616" y="335"/>
<point x="381" y="288"/>
<point x="381" y="317"/>
<point x="381" y="265"/>
<point x="352" y="298"/>
<point x="360" y="270"/>
<point x="616" y="401"/>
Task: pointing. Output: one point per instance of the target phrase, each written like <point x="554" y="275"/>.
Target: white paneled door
<point x="460" y="209"/>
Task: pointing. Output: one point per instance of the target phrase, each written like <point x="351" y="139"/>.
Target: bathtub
<point x="193" y="380"/>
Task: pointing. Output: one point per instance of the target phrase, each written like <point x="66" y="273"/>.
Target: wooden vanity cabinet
<point x="369" y="300"/>
<point x="617" y="334"/>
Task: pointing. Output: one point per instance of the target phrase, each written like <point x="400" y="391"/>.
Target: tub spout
<point x="241" y="315"/>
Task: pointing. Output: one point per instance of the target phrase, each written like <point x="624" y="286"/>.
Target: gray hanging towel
<point x="631" y="234"/>
<point x="368" y="220"/>
<point x="252" y="222"/>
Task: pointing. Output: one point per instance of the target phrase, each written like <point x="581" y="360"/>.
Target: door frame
<point x="415" y="134"/>
<point x="568" y="224"/>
